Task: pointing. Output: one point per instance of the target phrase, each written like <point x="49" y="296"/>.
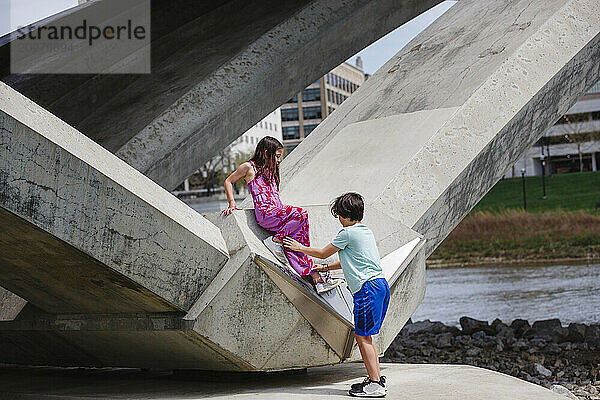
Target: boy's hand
<point x="321" y="268"/>
<point x="292" y="244"/>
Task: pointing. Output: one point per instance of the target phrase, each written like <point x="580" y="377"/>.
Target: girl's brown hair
<point x="264" y="158"/>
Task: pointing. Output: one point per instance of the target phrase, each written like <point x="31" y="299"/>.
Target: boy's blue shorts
<point x="370" y="305"/>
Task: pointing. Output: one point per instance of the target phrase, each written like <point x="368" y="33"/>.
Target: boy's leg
<point x="370" y="356"/>
<point x="370" y="307"/>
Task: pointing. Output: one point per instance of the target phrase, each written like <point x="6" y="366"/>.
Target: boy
<point x="359" y="260"/>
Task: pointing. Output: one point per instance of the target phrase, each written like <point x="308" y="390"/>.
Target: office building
<point x="268" y="126"/>
<point x="303" y="113"/>
<point x="571" y="145"/>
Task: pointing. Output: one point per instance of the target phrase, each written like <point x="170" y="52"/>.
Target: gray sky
<point x="15" y="13"/>
<point x="378" y="53"/>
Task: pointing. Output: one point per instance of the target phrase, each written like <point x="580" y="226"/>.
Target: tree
<point x="213" y="173"/>
<point x="578" y="128"/>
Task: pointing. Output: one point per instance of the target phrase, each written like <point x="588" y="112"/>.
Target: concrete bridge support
<point x="122" y="273"/>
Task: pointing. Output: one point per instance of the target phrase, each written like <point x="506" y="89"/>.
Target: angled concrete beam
<point x="82" y="231"/>
<point x="441" y="121"/>
<point x="157" y="340"/>
<point x="211" y="60"/>
<point x="10" y="305"/>
<point x="265" y="74"/>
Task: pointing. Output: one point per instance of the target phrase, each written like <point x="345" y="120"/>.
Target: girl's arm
<point x="241" y="172"/>
<point x="325" y="252"/>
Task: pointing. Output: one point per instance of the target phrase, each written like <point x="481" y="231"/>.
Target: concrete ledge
<point x="405" y="381"/>
<point x="82" y="231"/>
<point x="10" y="305"/>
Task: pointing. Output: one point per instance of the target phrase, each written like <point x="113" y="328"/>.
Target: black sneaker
<point x="369" y="388"/>
<point x="366" y="381"/>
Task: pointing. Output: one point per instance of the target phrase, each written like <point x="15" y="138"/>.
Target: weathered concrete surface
<point x="100" y="340"/>
<point x="421" y="382"/>
<point x="210" y="60"/>
<point x="294" y="320"/>
<point x="10" y="305"/>
<point x="444" y="118"/>
<point x="437" y="126"/>
<point x="82" y="231"/>
<point x="254" y="315"/>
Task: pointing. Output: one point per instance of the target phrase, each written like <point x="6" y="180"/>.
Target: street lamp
<point x="543" y="160"/>
<point x="524" y="195"/>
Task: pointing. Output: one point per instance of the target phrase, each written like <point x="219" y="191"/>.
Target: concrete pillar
<point x="594" y="165"/>
<point x="457" y="139"/>
<point x="186" y="185"/>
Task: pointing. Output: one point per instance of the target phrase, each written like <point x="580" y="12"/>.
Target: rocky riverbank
<point x="563" y="358"/>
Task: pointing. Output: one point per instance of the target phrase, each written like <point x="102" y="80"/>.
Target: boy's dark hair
<point x="349" y="205"/>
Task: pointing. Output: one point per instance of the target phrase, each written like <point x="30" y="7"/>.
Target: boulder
<point x="538" y="342"/>
<point x="520" y="345"/>
<point x="547" y="324"/>
<point x="464" y="341"/>
<point x="506" y="333"/>
<point x="499" y="344"/>
<point x="519" y="326"/>
<point x="471" y="325"/>
<point x="576" y="333"/>
<point x="479" y="335"/>
<point x="592" y="330"/>
<point x="472" y="352"/>
<point x="564" y="391"/>
<point x="552" y="348"/>
<point x="444" y="340"/>
<point x="593" y="342"/>
<point x="567" y="346"/>
<point x="581" y="346"/>
<point x="496" y="324"/>
<point x="539" y="370"/>
<point x="428" y="327"/>
<point x="549" y="330"/>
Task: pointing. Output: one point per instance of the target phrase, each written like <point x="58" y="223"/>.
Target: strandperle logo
<point x="85" y="31"/>
<point x="99" y="37"/>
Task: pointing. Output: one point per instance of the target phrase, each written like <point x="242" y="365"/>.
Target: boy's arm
<point x="325" y="252"/>
<point x="328" y="267"/>
<point x="334" y="265"/>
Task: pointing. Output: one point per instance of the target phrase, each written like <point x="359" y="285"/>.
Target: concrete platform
<point x="406" y="381"/>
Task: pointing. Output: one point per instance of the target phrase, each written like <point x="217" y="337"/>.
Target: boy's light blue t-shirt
<point x="358" y="254"/>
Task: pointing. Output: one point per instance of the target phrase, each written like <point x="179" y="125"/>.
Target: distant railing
<point x="594" y="89"/>
<point x="198" y="192"/>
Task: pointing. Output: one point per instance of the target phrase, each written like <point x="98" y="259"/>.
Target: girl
<point x="261" y="174"/>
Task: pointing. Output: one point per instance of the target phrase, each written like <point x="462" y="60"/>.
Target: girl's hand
<point x="292" y="244"/>
<point x="230" y="209"/>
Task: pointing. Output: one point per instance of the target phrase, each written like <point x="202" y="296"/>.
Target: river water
<point x="570" y="293"/>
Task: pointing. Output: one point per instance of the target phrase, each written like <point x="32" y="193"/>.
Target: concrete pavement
<point x="405" y="381"/>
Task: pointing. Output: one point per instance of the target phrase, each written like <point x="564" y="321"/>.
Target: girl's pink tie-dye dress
<point x="285" y="220"/>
